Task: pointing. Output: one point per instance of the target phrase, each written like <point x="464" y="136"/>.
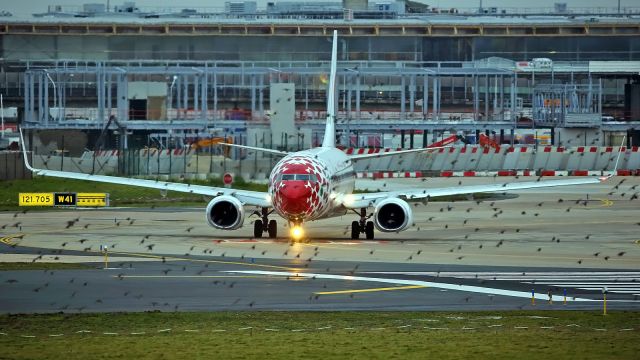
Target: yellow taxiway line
<point x="7" y="239"/>
<point x="370" y="290"/>
<point x="187" y="276"/>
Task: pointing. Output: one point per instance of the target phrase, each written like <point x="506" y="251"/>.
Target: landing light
<point x="297" y="232"/>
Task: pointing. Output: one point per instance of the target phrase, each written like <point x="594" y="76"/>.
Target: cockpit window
<point x="299" y="177"/>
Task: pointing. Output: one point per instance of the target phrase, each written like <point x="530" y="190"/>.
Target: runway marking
<point x="370" y="290"/>
<point x="603" y="203"/>
<point x="467" y="288"/>
<point x="7" y="240"/>
<point x="622" y="282"/>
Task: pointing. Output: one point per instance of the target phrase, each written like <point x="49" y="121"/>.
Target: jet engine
<point x="392" y="214"/>
<point x="225" y="212"/>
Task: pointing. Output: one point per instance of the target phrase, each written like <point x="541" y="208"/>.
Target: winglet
<point x="615" y="168"/>
<point x="329" y="139"/>
<point x="23" y="146"/>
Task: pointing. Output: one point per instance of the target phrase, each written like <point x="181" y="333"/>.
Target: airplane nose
<point x="294" y="197"/>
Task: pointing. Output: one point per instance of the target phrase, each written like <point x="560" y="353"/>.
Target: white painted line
<point x="27" y="336"/>
<point x="468" y="288"/>
<point x="246" y="328"/>
<point x="188" y="330"/>
<point x="562" y="278"/>
<point x="271" y="329"/>
<point x="218" y="330"/>
<point x="611" y="290"/>
<point x="164" y="330"/>
<point x="56" y="335"/>
<point x="473" y="274"/>
<point x="3" y="334"/>
<point x="573" y="284"/>
<point x="628" y="329"/>
<point x="138" y="333"/>
<point x="496" y="325"/>
<point x="109" y="333"/>
<point x="520" y="327"/>
<point x="83" y="331"/>
<point x="298" y="330"/>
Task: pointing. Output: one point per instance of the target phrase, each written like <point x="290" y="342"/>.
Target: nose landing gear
<point x="362" y="226"/>
<point x="265" y="225"/>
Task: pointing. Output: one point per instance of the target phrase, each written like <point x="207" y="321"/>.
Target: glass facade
<point x="313" y="48"/>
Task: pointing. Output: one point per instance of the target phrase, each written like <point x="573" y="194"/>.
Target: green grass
<point x="330" y="335"/>
<point x="41" y="266"/>
<point x="119" y="195"/>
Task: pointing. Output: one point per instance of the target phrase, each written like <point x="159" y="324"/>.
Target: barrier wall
<point x="454" y="161"/>
<point x="12" y="166"/>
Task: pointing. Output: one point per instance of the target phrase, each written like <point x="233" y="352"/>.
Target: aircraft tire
<point x="257" y="229"/>
<point x="273" y="229"/>
<point x="368" y="230"/>
<point x="355" y="230"/>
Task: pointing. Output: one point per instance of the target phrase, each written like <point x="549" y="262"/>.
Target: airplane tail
<point x="330" y="128"/>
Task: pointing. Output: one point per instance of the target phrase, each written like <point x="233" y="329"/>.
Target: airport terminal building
<point x="141" y="78"/>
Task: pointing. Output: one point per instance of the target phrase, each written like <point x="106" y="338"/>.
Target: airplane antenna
<point x="330" y="128"/>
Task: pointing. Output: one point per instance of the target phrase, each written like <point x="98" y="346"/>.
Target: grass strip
<point x="119" y="195"/>
<point x="323" y="335"/>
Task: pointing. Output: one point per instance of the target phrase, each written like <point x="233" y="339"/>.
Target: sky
<point x="28" y="7"/>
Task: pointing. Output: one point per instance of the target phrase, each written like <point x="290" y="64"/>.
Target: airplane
<point x="311" y="185"/>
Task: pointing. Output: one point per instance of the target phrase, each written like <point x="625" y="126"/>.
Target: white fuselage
<point x="311" y="184"/>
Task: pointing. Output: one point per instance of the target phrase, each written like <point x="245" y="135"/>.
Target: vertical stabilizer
<point x="330" y="128"/>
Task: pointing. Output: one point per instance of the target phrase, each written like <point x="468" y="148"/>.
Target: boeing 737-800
<point x="313" y="184"/>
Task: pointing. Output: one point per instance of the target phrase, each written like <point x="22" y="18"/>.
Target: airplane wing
<point x="270" y="151"/>
<point x="251" y="198"/>
<point x="391" y="153"/>
<point x="358" y="201"/>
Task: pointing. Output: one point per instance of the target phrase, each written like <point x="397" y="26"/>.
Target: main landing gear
<point x="362" y="226"/>
<point x="265" y="225"/>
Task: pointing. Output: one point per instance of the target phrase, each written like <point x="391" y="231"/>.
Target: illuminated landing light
<point x="297" y="232"/>
<point x="348" y="199"/>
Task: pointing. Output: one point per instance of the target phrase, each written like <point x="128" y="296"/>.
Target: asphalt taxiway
<point x="464" y="255"/>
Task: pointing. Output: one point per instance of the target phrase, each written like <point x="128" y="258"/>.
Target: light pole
<point x="170" y="97"/>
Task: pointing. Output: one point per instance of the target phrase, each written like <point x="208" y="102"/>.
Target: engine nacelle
<point x="392" y="214"/>
<point x="225" y="212"/>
